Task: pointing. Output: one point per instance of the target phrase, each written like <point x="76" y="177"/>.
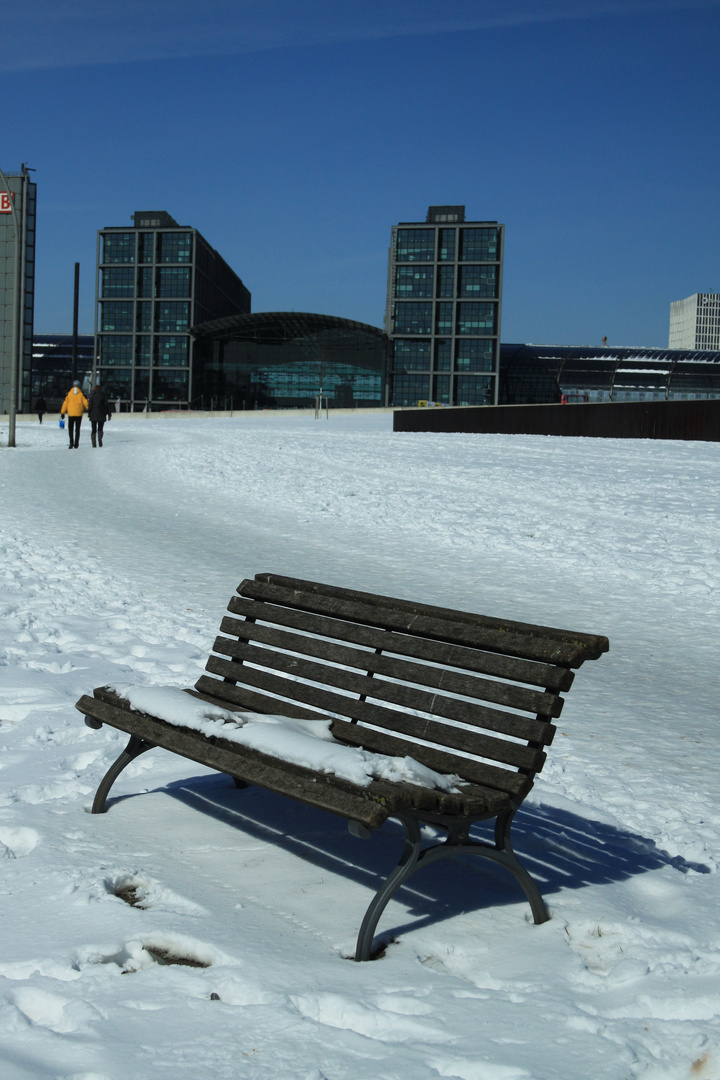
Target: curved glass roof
<point x="273" y="327"/>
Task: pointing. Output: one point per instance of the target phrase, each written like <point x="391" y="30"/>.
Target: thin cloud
<point x="41" y="34"/>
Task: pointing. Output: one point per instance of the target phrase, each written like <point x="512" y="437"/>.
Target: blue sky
<point x="294" y="133"/>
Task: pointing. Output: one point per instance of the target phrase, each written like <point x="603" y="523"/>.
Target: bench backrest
<point x="463" y="693"/>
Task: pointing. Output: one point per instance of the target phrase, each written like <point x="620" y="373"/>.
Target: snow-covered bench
<point x="368" y="707"/>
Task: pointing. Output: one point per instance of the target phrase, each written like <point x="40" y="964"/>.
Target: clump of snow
<point x="308" y="743"/>
<point x="16" y="843"/>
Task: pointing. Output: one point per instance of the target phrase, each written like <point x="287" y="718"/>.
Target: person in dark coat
<point x="99" y="412"/>
<point x="40" y="407"/>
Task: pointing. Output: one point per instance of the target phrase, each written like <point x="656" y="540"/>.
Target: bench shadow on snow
<point x="561" y="849"/>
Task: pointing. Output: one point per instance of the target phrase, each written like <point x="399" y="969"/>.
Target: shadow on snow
<point x="561" y="849"/>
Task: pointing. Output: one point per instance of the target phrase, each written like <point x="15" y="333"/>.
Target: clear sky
<point x="294" y="133"/>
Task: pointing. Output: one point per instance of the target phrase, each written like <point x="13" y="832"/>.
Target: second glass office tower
<point x="443" y="309"/>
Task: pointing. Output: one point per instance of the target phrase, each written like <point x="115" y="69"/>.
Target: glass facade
<point x="445" y="281"/>
<point x="118" y="281"/>
<point x="446" y="250"/>
<point x="172" y="351"/>
<point x="412" y="355"/>
<point x="145" y="285"/>
<point x="414" y="318"/>
<point x="52" y="366"/>
<point x="473" y="391"/>
<point x="445" y="287"/>
<point x="416" y="245"/>
<point x="474" y="354"/>
<point x="117" y="315"/>
<point x="531" y="374"/>
<point x="285" y="360"/>
<point x="115" y="349"/>
<point x="414" y="281"/>
<point x="444" y="318"/>
<point x="477" y="281"/>
<point x="144" y="316"/>
<point x="409" y="389"/>
<point x="155" y="282"/>
<point x="441" y="389"/>
<point x="143" y="351"/>
<point x="476" y="318"/>
<point x="479" y="245"/>
<point x="173" y="281"/>
<point x="119" y="247"/>
<point x="174" y="247"/>
<point x="172" y="315"/>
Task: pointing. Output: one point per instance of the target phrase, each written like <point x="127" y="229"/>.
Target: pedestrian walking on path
<point x="98" y="412"/>
<point x="40" y="407"/>
<point x="74" y="405"/>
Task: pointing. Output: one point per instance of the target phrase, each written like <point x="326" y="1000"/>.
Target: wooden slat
<point x="458" y="633"/>
<point x="408" y="697"/>
<point x="326" y="701"/>
<point x="479" y="773"/>
<point x="461" y="628"/>
<point x="439" y="652"/>
<point x="469" y="800"/>
<point x="594" y="644"/>
<point x="451" y="682"/>
<point x="229" y="696"/>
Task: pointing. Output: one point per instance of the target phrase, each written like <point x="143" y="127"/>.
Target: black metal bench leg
<point x="134" y="748"/>
<point x="509" y="859"/>
<point x="403" y="870"/>
<point x="458" y="842"/>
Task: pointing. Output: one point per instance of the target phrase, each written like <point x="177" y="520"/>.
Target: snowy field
<point x="116" y="567"/>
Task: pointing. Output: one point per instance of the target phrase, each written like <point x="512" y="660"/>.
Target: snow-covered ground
<point x="116" y="567"/>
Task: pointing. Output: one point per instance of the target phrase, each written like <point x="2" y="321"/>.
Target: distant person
<point x="99" y="412"/>
<point x="74" y="405"/>
<point x="40" y="407"/>
<point x="117" y="405"/>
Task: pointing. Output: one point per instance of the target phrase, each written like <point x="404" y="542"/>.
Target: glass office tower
<point x="443" y="309"/>
<point x="154" y="281"/>
<point x="17" y="286"/>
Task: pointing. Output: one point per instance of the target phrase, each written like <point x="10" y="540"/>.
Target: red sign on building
<point x="5" y="205"/>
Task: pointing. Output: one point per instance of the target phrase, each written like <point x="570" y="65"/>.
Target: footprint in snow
<point x="142" y="952"/>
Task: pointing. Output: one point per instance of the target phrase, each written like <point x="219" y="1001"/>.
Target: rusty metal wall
<point x="698" y="420"/>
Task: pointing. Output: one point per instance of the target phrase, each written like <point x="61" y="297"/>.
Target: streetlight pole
<point x="12" y="410"/>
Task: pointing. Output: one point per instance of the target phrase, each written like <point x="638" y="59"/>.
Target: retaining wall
<point x="699" y="420"/>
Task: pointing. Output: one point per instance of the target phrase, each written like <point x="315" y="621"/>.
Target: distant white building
<point x="695" y="323"/>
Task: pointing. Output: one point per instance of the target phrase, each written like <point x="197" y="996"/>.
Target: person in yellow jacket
<point x="74" y="405"/>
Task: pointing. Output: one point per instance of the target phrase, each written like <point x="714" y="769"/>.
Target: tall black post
<point x="75" y="322"/>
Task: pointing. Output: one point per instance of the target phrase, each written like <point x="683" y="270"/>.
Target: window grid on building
<point x="155" y="281"/>
<point x="445" y="286"/>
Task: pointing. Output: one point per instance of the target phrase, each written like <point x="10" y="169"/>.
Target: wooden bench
<point x="460" y="693"/>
